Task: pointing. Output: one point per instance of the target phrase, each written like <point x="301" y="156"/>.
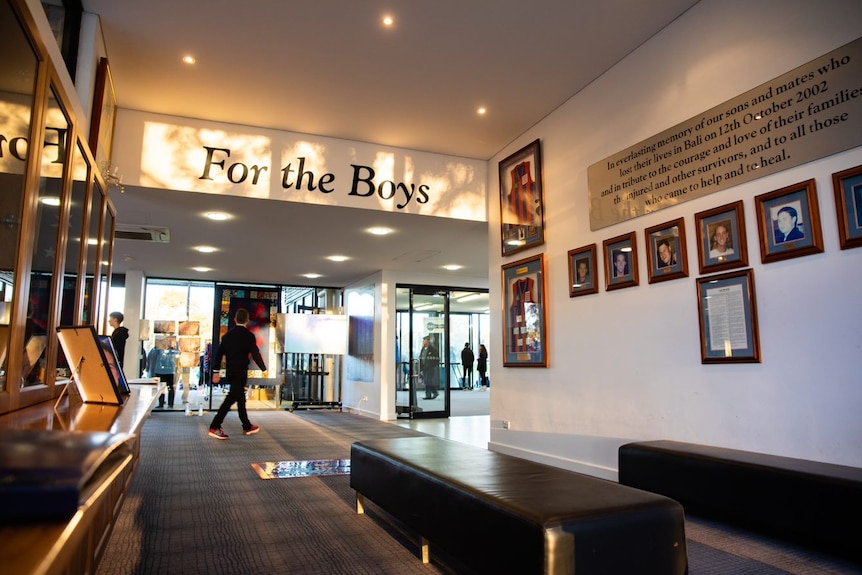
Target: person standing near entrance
<point x="482" y="366"/>
<point x="467" y="359"/>
<point x="162" y="363"/>
<point x="429" y="367"/>
<point x="119" y="335"/>
<point x="235" y="348"/>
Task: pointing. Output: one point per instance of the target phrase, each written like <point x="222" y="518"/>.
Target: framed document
<point x="728" y="318"/>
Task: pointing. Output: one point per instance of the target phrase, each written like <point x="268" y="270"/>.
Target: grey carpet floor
<point x="196" y="506"/>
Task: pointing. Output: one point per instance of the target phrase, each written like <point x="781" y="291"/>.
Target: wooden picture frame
<point x="582" y="271"/>
<point x="727" y="313"/>
<point x="522" y="219"/>
<point x="847" y="185"/>
<point x="788" y="222"/>
<point x="525" y="313"/>
<point x="721" y="243"/>
<point x="667" y="257"/>
<point x="621" y="261"/>
<point x="103" y="116"/>
<point x="88" y="364"/>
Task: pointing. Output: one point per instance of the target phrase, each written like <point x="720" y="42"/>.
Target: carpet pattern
<point x="197" y="507"/>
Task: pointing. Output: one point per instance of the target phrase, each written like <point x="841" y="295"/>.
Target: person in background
<point x="467" y="359"/>
<point x="235" y="348"/>
<point x="482" y="367"/>
<point x="162" y="363"/>
<point x="429" y="367"/>
<point x="119" y="335"/>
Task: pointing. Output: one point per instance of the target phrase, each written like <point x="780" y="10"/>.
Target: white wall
<point x="381" y="391"/>
<point x="625" y="365"/>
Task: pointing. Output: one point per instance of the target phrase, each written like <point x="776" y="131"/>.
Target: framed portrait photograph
<point x="847" y="185"/>
<point x="666" y="253"/>
<point x="721" y="242"/>
<point x="104" y="115"/>
<point x="728" y="318"/>
<point x="621" y="262"/>
<point x="788" y="222"/>
<point x="582" y="271"/>
<point x="525" y="313"/>
<point x="522" y="217"/>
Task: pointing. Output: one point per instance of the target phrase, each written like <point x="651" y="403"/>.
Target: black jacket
<point x="235" y="347"/>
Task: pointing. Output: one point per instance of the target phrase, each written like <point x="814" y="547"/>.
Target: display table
<point x="75" y="544"/>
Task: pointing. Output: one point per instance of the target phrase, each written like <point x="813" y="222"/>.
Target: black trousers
<point x="468" y="377"/>
<point x="236" y="394"/>
<point x="168" y="379"/>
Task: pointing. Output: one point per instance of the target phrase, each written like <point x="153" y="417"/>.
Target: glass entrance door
<point x="423" y="365"/>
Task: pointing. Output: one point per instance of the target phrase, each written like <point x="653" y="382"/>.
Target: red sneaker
<point x="251" y="430"/>
<point x="218" y="433"/>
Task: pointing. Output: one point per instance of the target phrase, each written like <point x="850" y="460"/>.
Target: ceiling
<point x="330" y="68"/>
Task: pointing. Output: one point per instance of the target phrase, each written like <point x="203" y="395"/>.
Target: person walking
<point x="482" y="366"/>
<point x="467" y="359"/>
<point x="235" y="348"/>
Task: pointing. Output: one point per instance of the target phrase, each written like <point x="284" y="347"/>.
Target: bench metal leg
<point x="360" y="506"/>
<point x="424" y="549"/>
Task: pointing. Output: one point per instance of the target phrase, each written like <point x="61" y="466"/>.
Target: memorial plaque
<point x="807" y="114"/>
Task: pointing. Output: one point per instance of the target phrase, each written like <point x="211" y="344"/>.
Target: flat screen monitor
<point x="114" y="363"/>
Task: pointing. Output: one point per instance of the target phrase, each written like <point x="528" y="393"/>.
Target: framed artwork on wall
<point x="522" y="219"/>
<point x="582" y="271"/>
<point x="103" y="117"/>
<point x="788" y="222"/>
<point x="621" y="262"/>
<point x="525" y="313"/>
<point x="666" y="252"/>
<point x="728" y="318"/>
<point x="721" y="243"/>
<point x="847" y="185"/>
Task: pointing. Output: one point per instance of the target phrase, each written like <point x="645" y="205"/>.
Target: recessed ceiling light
<point x="189" y="59"/>
<point x="312" y="276"/>
<point x="338" y="258"/>
<point x="205" y="249"/>
<point x="202" y="269"/>
<point x="388" y="20"/>
<point x="379" y="231"/>
<point x="452" y="267"/>
<point x="482" y="110"/>
<point x="217" y="216"/>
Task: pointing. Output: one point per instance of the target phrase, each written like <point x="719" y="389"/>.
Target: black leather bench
<point x="810" y="503"/>
<point x="495" y="513"/>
